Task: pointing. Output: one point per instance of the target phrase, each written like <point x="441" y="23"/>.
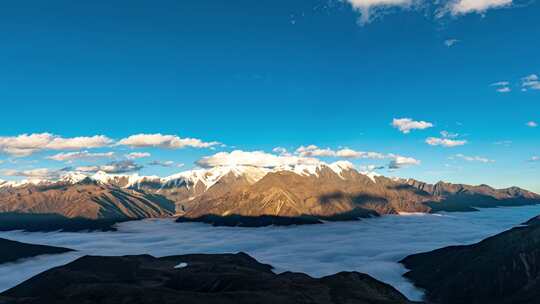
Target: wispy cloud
<point x="137" y="155"/>
<point x="451" y="42"/>
<point x="80" y="155"/>
<point x="315" y="151"/>
<point x="473" y="158"/>
<point x="370" y="8"/>
<point x="117" y="167"/>
<point x="405" y="125"/>
<point x="530" y="82"/>
<point x="165" y="163"/>
<point x="164" y="141"/>
<point x="532" y="124"/>
<point x="447" y="134"/>
<point x="502" y="86"/>
<point x="445" y="142"/>
<point x="462" y="7"/>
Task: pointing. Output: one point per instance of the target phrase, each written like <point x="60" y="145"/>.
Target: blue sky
<point x="255" y="75"/>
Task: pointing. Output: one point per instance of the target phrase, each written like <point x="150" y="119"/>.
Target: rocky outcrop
<point x="12" y="251"/>
<point x="502" y="269"/>
<point x="225" y="278"/>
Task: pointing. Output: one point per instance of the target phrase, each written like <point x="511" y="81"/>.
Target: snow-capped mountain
<point x="189" y="179"/>
<point x="320" y="190"/>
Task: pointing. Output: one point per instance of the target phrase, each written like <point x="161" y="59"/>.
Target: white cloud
<point x="41" y="173"/>
<point x="369" y="8"/>
<point x="534" y="159"/>
<point x="71" y="156"/>
<point x="474" y="158"/>
<point x="532" y="124"/>
<point x="314" y="151"/>
<point x="450" y="42"/>
<point x="405" y="125"/>
<point x="165" y="163"/>
<point x="447" y="134"/>
<point x="281" y="151"/>
<point x="462" y="7"/>
<point x="164" y="141"/>
<point x="27" y="144"/>
<point x="125" y="166"/>
<point x="402" y="161"/>
<point x="445" y="142"/>
<point x="370" y="168"/>
<point x="531" y="82"/>
<point x="349" y="153"/>
<point x="137" y="155"/>
<point x="254" y="158"/>
<point x="501" y="86"/>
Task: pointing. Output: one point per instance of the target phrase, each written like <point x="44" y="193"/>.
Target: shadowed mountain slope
<point x="225" y="278"/>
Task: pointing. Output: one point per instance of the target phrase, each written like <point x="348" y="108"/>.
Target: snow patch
<point x="181" y="265"/>
<point x="371" y="175"/>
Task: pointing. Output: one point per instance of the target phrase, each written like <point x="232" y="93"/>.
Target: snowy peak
<point x="73" y="177"/>
<point x="209" y="177"/>
<point x="338" y="167"/>
<point x="123" y="181"/>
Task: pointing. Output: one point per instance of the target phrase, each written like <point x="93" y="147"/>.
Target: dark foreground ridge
<point x="235" y="220"/>
<point x="222" y="278"/>
<point x="502" y="269"/>
<point x="54" y="222"/>
<point x="11" y="251"/>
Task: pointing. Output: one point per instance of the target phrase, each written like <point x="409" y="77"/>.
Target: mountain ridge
<point x="323" y="191"/>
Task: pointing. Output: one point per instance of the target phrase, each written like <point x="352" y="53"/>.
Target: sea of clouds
<point x="372" y="246"/>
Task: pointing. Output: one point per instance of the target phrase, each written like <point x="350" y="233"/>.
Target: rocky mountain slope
<point x="85" y="199"/>
<point x="502" y="269"/>
<point x="12" y="250"/>
<point x="459" y="197"/>
<point x="324" y="193"/>
<point x="226" y="278"/>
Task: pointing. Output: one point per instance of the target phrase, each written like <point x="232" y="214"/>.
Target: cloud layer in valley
<point x="372" y="246"/>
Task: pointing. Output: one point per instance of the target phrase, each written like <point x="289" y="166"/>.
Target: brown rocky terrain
<point x="246" y="194"/>
<point x="459" y="197"/>
<point x="225" y="278"/>
<point x="85" y="199"/>
<point x="344" y="195"/>
<point x="325" y="194"/>
<point x="502" y="269"/>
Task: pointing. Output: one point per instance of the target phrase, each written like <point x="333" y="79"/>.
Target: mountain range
<point x="323" y="191"/>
